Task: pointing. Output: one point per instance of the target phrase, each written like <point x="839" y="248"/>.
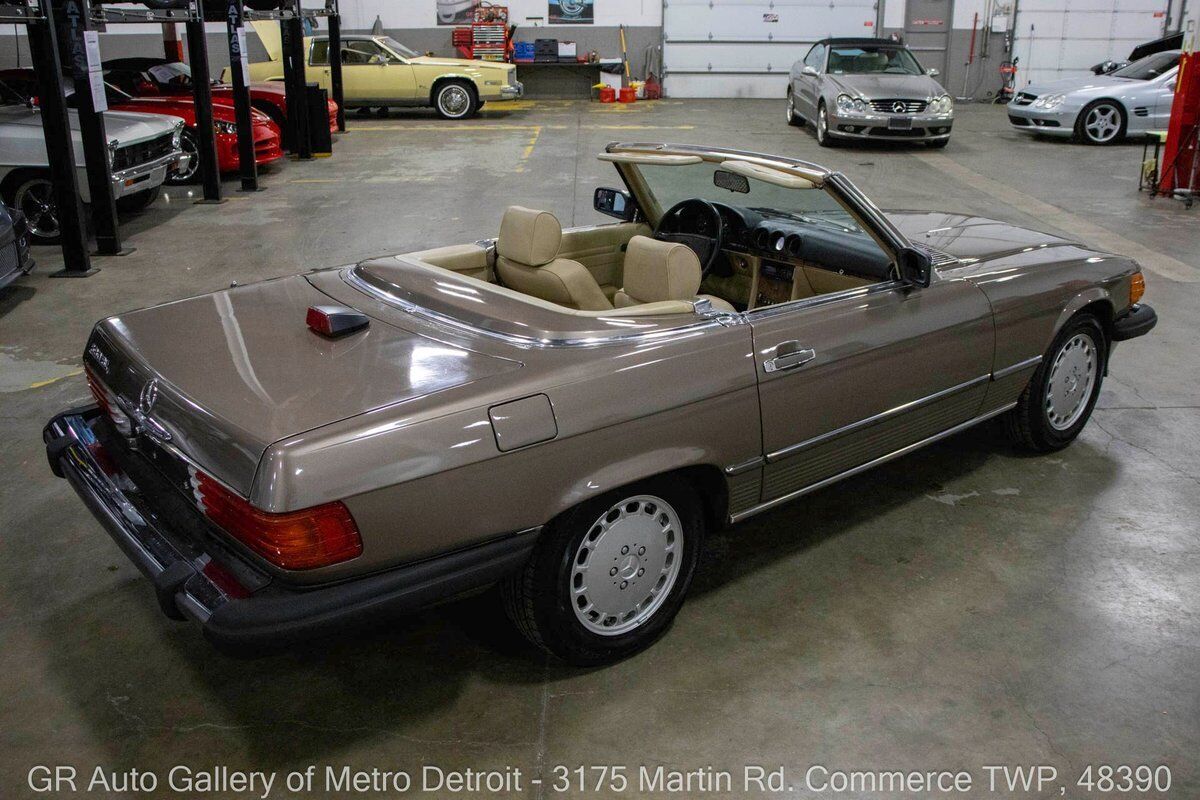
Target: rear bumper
<point x="178" y="567"/>
<point x="1137" y="321"/>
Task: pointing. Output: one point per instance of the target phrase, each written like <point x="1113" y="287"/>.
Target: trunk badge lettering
<point x="99" y="357"/>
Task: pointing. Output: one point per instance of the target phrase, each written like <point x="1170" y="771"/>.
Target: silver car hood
<point x="1079" y="84"/>
<point x="127" y="127"/>
<point x="886" y="87"/>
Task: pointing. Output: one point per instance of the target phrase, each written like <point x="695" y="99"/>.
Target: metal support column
<point x="292" y="36"/>
<point x="206" y="140"/>
<point x="43" y="47"/>
<point x="241" y="96"/>
<point x="335" y="64"/>
<point x="91" y="129"/>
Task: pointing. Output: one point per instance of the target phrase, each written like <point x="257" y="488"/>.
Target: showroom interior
<point x="251" y="249"/>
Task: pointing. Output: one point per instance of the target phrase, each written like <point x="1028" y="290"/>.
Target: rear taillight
<point x="107" y="402"/>
<point x="306" y="539"/>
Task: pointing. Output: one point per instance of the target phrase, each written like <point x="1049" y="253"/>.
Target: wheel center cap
<point x="1072" y="384"/>
<point x="629" y="566"/>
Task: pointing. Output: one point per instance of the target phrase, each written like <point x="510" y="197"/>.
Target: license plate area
<point x="900" y="123"/>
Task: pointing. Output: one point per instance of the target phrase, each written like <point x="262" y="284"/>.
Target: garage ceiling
<point x="1064" y="38"/>
<point x="744" y="48"/>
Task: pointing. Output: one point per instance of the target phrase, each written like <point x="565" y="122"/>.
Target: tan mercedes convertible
<point x="568" y="413"/>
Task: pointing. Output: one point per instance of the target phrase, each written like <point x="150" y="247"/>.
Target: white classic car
<point x="142" y="149"/>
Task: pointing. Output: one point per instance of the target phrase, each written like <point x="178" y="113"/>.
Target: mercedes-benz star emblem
<point x="148" y="396"/>
<point x="898" y="107"/>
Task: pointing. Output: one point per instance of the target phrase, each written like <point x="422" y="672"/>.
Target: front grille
<point x="133" y="155"/>
<point x="899" y="106"/>
<point x="10" y="259"/>
<point x="1024" y="99"/>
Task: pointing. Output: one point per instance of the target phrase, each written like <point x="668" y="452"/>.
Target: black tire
<point x="455" y="100"/>
<point x="137" y="201"/>
<point x="1029" y="424"/>
<point x="1085" y="135"/>
<point x="821" y="128"/>
<point x="32" y="193"/>
<point x="792" y="117"/>
<point x="190" y="146"/>
<point x="937" y="144"/>
<point x="539" y="599"/>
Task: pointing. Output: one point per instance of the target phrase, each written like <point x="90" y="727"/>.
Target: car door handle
<point x="789" y="355"/>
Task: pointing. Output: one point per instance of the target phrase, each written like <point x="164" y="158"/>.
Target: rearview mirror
<point x="614" y="203"/>
<point x="915" y="267"/>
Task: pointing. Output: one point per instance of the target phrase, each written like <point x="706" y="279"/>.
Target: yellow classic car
<point x="379" y="71"/>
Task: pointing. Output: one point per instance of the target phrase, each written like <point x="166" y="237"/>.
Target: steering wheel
<point x="706" y="246"/>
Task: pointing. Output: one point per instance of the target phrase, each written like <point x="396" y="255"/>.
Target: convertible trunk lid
<point x="238" y="370"/>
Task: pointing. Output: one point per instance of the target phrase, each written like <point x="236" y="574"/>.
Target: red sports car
<point x="155" y="77"/>
<point x="267" y="140"/>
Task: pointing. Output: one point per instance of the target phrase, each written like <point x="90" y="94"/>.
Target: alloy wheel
<point x="35" y="199"/>
<point x="188" y="144"/>
<point x="822" y="126"/>
<point x="1069" y="385"/>
<point x="626" y="565"/>
<point x="1102" y="123"/>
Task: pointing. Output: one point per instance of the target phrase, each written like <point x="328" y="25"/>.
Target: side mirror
<point x="933" y="72"/>
<point x="916" y="268"/>
<point x="614" y="203"/>
<point x="1171" y="87"/>
<point x="809" y="71"/>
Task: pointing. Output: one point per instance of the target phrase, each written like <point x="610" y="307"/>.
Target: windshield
<point x="872" y="60"/>
<point x="672" y="184"/>
<point x="173" y="73"/>
<point x="1150" y="67"/>
<point x="398" y="48"/>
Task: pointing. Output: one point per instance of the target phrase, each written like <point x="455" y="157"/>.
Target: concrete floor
<point x="961" y="607"/>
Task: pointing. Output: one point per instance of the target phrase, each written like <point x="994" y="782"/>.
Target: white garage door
<point x="1064" y="38"/>
<point x="744" y="48"/>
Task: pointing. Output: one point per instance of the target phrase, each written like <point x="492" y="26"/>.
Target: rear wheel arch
<point x="707" y="480"/>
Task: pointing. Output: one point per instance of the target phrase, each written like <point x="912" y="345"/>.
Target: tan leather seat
<point x="656" y="271"/>
<point x="527" y="261"/>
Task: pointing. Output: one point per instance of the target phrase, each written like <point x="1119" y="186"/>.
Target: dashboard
<point x="825" y="245"/>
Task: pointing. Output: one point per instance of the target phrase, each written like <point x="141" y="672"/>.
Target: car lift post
<point x="43" y="47"/>
<point x="235" y="26"/>
<point x="335" y="62"/>
<point x="292" y="38"/>
<point x="206" y="140"/>
<point x="73" y="48"/>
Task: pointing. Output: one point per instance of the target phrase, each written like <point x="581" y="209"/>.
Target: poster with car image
<point x="456" y="12"/>
<point x="571" y="12"/>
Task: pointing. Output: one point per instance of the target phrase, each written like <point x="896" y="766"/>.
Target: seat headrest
<point x="656" y="271"/>
<point x="528" y="236"/>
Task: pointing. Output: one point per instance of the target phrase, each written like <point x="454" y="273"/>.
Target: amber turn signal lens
<point x="306" y="539"/>
<point x="1137" y="287"/>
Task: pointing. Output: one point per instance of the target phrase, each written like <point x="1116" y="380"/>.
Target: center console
<point x="775" y="281"/>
